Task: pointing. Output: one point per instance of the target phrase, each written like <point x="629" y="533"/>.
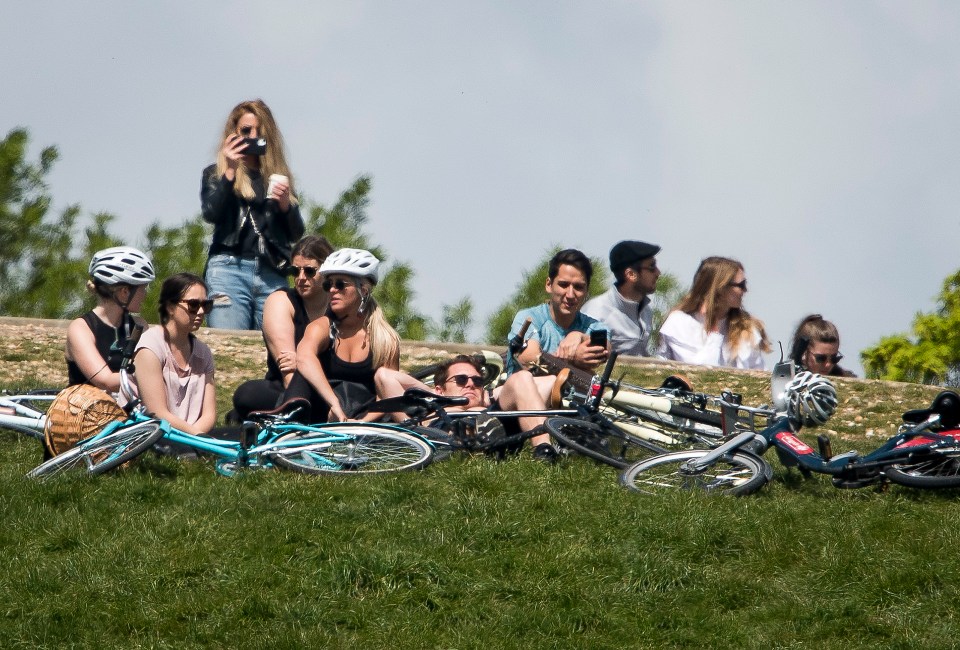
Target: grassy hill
<point x="469" y="553"/>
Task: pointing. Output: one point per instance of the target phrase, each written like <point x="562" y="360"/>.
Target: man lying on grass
<point x="462" y="376"/>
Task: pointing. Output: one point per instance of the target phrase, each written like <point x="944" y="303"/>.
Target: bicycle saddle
<point x="289" y="406"/>
<point x="946" y="405"/>
<point x="677" y="382"/>
<point x="414" y="397"/>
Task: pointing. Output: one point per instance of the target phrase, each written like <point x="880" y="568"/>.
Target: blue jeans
<point x="247" y="283"/>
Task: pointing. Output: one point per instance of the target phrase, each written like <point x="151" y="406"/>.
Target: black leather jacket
<point x="221" y="207"/>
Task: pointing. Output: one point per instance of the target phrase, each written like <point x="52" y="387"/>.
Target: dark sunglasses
<point x="246" y="131"/>
<point x="461" y="380"/>
<point x="823" y="358"/>
<point x="742" y="284"/>
<point x="309" y="271"/>
<point x="194" y="305"/>
<point x="339" y="285"/>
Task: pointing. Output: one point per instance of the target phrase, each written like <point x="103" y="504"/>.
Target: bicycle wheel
<point x="607" y="444"/>
<point x="932" y="471"/>
<point x="350" y="448"/>
<point x="735" y="474"/>
<point x="104" y="452"/>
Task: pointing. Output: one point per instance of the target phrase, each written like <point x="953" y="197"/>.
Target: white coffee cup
<point x="274" y="179"/>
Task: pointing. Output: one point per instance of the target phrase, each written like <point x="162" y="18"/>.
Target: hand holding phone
<point x="598" y="337"/>
<point x="254" y="146"/>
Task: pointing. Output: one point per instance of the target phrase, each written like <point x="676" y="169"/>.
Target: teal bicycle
<point x="267" y="439"/>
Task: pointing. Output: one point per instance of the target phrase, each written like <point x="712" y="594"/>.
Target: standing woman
<point x="709" y="326"/>
<point x="348" y="344"/>
<point x="174" y="374"/>
<point x="118" y="277"/>
<point x="286" y="315"/>
<point x="248" y="197"/>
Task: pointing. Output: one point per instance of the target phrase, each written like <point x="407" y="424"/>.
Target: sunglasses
<point x="339" y="285"/>
<point x="461" y="380"/>
<point x="309" y="271"/>
<point x="246" y="131"/>
<point x="194" y="305"/>
<point x="742" y="284"/>
<point x="823" y="358"/>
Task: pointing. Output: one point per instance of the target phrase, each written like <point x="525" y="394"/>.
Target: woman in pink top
<point x="174" y="369"/>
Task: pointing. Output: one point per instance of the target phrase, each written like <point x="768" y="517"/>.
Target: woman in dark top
<point x="248" y="196"/>
<point x="816" y="347"/>
<point x="286" y="315"/>
<point x="118" y="278"/>
<point x="347" y="345"/>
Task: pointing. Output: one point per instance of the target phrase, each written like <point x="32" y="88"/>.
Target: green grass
<point x="473" y="553"/>
<point x="469" y="553"/>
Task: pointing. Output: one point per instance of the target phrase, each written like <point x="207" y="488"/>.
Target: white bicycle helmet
<point x="121" y="265"/>
<point x="811" y="399"/>
<point x="351" y="261"/>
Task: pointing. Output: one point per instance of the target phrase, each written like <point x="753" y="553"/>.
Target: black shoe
<point x="546" y="453"/>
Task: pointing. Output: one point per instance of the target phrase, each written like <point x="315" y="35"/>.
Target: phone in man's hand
<point x="598" y="337"/>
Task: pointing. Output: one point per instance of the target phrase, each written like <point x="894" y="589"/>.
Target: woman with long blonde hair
<point x="248" y="196"/>
<point x="340" y="352"/>
<point x="709" y="326"/>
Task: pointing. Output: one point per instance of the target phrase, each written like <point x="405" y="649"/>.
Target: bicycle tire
<point x="104" y="452"/>
<point x="367" y="450"/>
<point x="442" y="442"/>
<point x="608" y="444"/>
<point x="736" y="474"/>
<point x="937" y="470"/>
<point x="29" y="431"/>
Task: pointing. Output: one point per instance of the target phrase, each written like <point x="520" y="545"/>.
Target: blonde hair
<point x="713" y="277"/>
<point x="384" y="340"/>
<point x="274" y="161"/>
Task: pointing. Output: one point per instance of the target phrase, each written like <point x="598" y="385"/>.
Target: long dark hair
<point x="174" y="289"/>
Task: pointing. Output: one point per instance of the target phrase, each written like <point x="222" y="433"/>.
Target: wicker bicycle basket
<point x="76" y="413"/>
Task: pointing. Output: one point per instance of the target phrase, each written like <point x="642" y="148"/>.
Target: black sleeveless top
<point x="300" y="321"/>
<point x="109" y="342"/>
<point x="360" y="372"/>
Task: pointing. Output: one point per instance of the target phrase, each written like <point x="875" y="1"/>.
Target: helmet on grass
<point x="121" y="265"/>
<point x="811" y="399"/>
<point x="351" y="261"/>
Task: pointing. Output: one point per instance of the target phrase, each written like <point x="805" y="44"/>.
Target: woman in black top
<point x="118" y="278"/>
<point x="816" y="347"/>
<point x="248" y="196"/>
<point x="286" y="315"/>
<point x="347" y="346"/>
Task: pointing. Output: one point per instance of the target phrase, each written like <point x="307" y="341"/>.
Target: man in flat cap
<point x="625" y="308"/>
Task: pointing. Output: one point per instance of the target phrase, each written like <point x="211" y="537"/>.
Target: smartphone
<point x="255" y="146"/>
<point x="598" y="337"/>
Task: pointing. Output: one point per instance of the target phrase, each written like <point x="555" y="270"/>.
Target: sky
<point x="815" y="142"/>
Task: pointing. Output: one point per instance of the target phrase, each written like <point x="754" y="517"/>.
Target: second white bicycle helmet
<point x="351" y="261"/>
<point x="811" y="399"/>
<point x="121" y="265"/>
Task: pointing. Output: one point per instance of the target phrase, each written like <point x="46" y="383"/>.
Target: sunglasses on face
<point x="194" y="305"/>
<point x="741" y="285"/>
<point x="309" y="271"/>
<point x="461" y="380"/>
<point x="339" y="285"/>
<point x="823" y="358"/>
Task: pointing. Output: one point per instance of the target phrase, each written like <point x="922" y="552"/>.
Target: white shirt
<point x="629" y="321"/>
<point x="683" y="338"/>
